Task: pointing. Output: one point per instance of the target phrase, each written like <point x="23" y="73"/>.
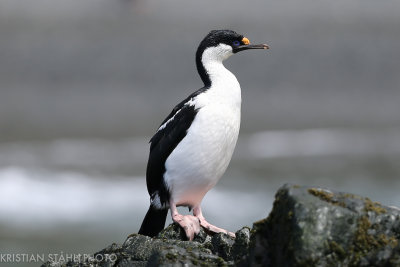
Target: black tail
<point x="153" y="222"/>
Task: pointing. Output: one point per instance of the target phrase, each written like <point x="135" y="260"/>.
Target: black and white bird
<point x="193" y="146"/>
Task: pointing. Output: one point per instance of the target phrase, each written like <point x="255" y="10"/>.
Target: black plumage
<point x="153" y="222"/>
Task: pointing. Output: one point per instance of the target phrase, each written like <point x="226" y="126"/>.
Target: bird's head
<point x="219" y="45"/>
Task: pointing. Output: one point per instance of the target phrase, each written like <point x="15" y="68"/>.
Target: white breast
<point x="201" y="158"/>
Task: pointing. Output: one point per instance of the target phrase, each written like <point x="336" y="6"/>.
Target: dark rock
<point x="240" y="248"/>
<point x="307" y="227"/>
<point x="222" y="246"/>
<point x="319" y="227"/>
<point x="178" y="256"/>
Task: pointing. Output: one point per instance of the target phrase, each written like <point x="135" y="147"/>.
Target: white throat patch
<point x="216" y="53"/>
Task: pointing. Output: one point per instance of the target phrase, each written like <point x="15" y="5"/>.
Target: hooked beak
<point x="249" y="46"/>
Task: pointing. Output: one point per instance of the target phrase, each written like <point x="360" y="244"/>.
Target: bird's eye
<point x="236" y="43"/>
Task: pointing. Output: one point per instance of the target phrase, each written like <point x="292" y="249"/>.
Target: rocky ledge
<point x="307" y="226"/>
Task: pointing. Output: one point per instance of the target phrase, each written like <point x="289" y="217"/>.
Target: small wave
<point x="320" y="142"/>
<point x="31" y="196"/>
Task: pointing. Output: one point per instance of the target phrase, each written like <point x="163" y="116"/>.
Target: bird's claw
<point x="189" y="223"/>
<point x="215" y="229"/>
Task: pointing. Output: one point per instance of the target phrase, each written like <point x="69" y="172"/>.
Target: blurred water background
<point x="84" y="85"/>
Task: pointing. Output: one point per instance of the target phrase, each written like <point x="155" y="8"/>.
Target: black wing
<point x="164" y="142"/>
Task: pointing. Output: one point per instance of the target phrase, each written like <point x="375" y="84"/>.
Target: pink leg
<point x="197" y="213"/>
<point x="189" y="223"/>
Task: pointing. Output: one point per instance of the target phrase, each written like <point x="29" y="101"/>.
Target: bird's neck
<point x="210" y="67"/>
<point x="213" y="72"/>
<point x="218" y="74"/>
<point x="223" y="86"/>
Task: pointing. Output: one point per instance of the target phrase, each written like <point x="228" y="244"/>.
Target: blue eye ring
<point x="235" y="43"/>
